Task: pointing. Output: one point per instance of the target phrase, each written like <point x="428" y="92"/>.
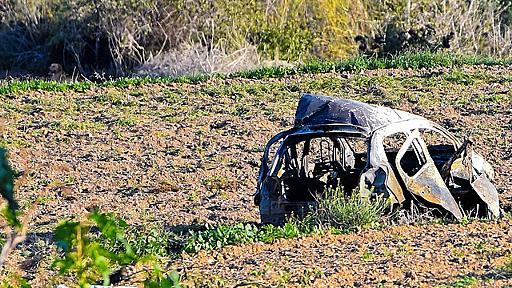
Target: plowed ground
<point x="174" y="155"/>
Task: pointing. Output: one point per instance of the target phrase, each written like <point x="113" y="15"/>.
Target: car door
<point x="423" y="179"/>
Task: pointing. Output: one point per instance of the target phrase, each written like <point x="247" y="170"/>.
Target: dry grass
<point x="477" y="25"/>
<point x="198" y="59"/>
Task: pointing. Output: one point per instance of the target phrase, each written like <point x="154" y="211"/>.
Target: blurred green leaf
<point x="7" y="191"/>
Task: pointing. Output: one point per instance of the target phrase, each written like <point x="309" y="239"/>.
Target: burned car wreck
<point x="373" y="150"/>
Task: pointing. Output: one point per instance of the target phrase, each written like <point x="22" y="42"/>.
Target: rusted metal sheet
<point x="447" y="175"/>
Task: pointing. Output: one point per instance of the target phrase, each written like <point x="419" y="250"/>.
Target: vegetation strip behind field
<point x="405" y="61"/>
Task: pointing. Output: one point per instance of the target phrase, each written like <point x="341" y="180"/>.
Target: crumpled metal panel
<point x="317" y="109"/>
<point x="474" y="169"/>
<point x="427" y="183"/>
<point x="488" y="193"/>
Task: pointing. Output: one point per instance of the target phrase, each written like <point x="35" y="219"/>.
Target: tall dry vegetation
<point x="183" y="36"/>
<point x="478" y="25"/>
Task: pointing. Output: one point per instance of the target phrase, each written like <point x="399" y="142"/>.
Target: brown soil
<point x="181" y="154"/>
<point x="411" y="256"/>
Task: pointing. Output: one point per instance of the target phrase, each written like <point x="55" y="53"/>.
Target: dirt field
<point x="181" y="154"/>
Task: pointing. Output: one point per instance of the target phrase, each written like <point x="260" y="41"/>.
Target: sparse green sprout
<point x="367" y="256"/>
<point x="465" y="282"/>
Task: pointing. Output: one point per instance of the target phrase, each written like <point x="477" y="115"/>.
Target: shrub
<point x="197" y="59"/>
<point x="183" y="36"/>
<point x="91" y="249"/>
<point x="477" y="25"/>
<point x="7" y="191"/>
<point x="160" y="280"/>
<point x="107" y="35"/>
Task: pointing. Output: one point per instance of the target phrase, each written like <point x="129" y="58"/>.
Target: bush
<point x="15" y="231"/>
<point x="477" y="26"/>
<point x="10" y="211"/>
<point x="160" y="280"/>
<point x="86" y="35"/>
<point x="91" y="249"/>
<point x="197" y="59"/>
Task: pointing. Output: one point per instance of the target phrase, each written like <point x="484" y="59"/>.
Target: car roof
<point x="318" y="110"/>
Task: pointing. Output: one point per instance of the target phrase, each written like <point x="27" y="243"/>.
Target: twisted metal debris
<point x="376" y="151"/>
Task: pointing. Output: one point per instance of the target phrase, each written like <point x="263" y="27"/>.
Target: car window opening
<point x="314" y="164"/>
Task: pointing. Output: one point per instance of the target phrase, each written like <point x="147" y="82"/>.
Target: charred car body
<point x="340" y="143"/>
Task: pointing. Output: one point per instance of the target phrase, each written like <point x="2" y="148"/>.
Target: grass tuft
<point x="346" y="213"/>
